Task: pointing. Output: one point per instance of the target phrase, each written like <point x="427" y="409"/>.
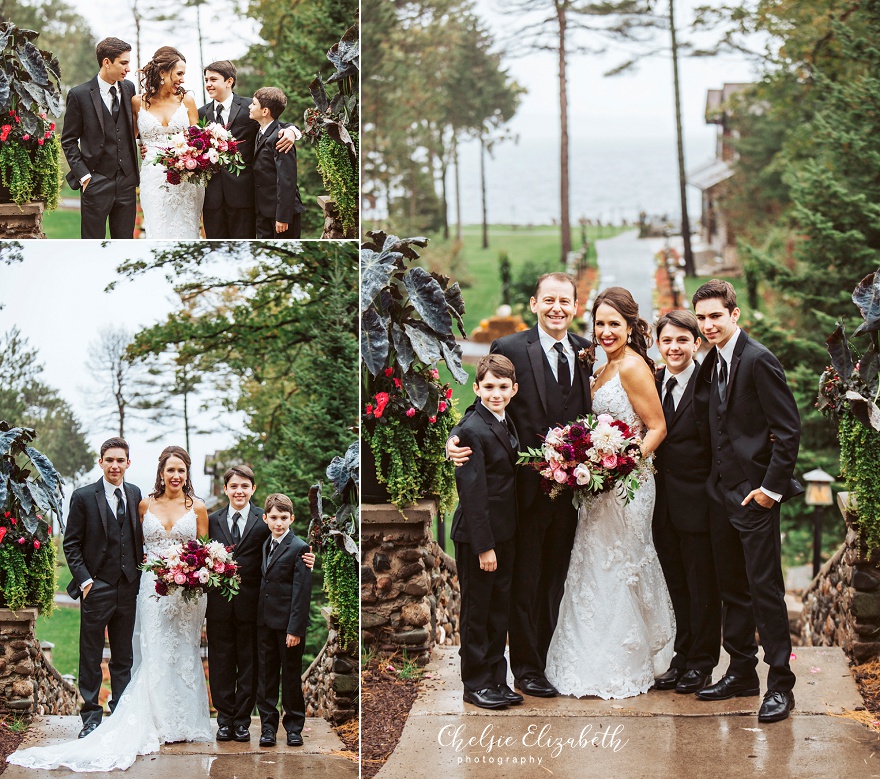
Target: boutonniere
<point x="584" y="358"/>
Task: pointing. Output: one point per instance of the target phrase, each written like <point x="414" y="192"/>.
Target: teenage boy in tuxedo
<point x="276" y="193"/>
<point x="748" y="415"/>
<point x="483" y="530"/>
<point x="282" y="619"/>
<point x="681" y="511"/>
<point x="232" y="624"/>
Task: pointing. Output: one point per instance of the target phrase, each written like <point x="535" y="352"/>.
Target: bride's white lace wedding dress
<point x="166" y="699"/>
<point x="170" y="210"/>
<point x="616" y="627"/>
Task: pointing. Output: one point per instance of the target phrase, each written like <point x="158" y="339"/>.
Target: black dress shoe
<point x="668" y="680"/>
<point x="536" y="686"/>
<point x="224" y="733"/>
<point x="728" y="687"/>
<point x="294" y="740"/>
<point x="776" y="706"/>
<point x="489" y="698"/>
<point x="693" y="681"/>
<point x="241" y="733"/>
<point x="87" y="728"/>
<point x="509" y="695"/>
<point x="267" y="739"/>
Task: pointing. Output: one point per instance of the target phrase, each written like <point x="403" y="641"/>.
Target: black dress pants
<point x="108" y="199"/>
<point x="232" y="669"/>
<point x="278" y="662"/>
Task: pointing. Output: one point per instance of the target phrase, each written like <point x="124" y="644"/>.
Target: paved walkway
<point x="321" y="756"/>
<point x="657" y="735"/>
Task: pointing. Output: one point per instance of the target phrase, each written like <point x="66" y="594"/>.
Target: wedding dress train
<point x="166" y="699"/>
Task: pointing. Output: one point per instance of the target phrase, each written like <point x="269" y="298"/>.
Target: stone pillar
<point x="333" y="228"/>
<point x="29" y="684"/>
<point x="331" y="682"/>
<point x="24" y="221"/>
<point x="842" y="605"/>
<point x="410" y="598"/>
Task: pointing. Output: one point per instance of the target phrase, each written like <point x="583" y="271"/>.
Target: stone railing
<point x="25" y="221"/>
<point x="842" y="605"/>
<point x="330" y="684"/>
<point x="29" y="683"/>
<point x="410" y="597"/>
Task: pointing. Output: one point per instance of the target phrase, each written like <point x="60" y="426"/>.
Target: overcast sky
<point x="56" y="298"/>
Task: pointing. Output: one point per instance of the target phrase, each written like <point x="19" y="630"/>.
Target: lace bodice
<point x="154" y="135"/>
<point x="157" y="539"/>
<point x="611" y="398"/>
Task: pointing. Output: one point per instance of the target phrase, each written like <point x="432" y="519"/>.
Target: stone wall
<point x="331" y="682"/>
<point x="24" y="221"/>
<point x="410" y="597"/>
<point x="29" y="683"/>
<point x="333" y="228"/>
<point x="842" y="605"/>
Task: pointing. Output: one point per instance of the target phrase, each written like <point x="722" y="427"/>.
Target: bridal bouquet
<point x="194" y="567"/>
<point x="198" y="152"/>
<point x="590" y="455"/>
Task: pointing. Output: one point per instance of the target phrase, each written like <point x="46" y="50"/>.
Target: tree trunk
<point x="444" y="169"/>
<point x="483" y="190"/>
<point x="186" y="418"/>
<point x="565" y="225"/>
<point x="689" y="268"/>
<point x="457" y="187"/>
<point x="202" y="63"/>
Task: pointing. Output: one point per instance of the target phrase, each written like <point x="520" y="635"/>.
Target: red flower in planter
<point x="2" y="533"/>
<point x="36" y="544"/>
<point x="382" y="399"/>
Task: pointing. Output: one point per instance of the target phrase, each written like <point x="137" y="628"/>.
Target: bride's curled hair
<point x="159" y="488"/>
<point x="621" y="300"/>
<point x="163" y="60"/>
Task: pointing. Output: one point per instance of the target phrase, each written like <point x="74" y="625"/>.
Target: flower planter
<point x="371" y="489"/>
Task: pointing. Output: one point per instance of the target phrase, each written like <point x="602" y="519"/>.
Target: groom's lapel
<point x="95" y="94"/>
<point x="580" y="370"/>
<point x="741" y="342"/>
<point x="536" y="358"/>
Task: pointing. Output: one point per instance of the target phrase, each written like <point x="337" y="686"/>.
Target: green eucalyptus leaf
<point x="374" y="341"/>
<point x="867" y="297"/>
<point x="841" y="356"/>
<point x="428" y="300"/>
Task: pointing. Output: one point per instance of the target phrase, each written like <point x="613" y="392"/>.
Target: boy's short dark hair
<point x="110" y="48"/>
<point x="114" y="443"/>
<point x="498" y="365"/>
<point x="682" y="318"/>
<point x="225" y="68"/>
<point x="272" y="98"/>
<point x="278" y="501"/>
<point x="556" y="276"/>
<point x="723" y="290"/>
<point x="238" y="470"/>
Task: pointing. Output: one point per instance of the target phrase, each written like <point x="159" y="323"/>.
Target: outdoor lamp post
<point x="819" y="495"/>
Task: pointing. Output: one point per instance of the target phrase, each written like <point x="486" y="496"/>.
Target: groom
<point x="554" y="389"/>
<point x="229" y="210"/>
<point x="98" y="142"/>
<point x="103" y="547"/>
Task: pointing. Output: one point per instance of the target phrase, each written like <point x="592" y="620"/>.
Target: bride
<point x="616" y="627"/>
<point x="166" y="700"/>
<point x="165" y="108"/>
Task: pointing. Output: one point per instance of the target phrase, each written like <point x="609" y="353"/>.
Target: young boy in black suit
<point x="277" y="199"/>
<point x="282" y="619"/>
<point x="483" y="530"/>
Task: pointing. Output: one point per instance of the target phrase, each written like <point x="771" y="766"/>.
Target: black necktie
<point x="722" y="378"/>
<point x="219" y="113"/>
<point x="114" y="105"/>
<point x="120" y="506"/>
<point x="514" y="444"/>
<point x="272" y="547"/>
<point x="563" y="374"/>
<point x="668" y="401"/>
<point x="236" y="533"/>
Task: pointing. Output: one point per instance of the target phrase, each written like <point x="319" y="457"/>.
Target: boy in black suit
<point x="282" y="619"/>
<point x="483" y="530"/>
<point x="232" y="624"/>
<point x="276" y="193"/>
<point x="748" y="415"/>
<point x="681" y="511"/>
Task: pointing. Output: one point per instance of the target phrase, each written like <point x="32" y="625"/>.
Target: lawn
<point x="62" y="629"/>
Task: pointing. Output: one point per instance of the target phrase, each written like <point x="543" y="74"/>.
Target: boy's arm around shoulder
<point x="301" y="595"/>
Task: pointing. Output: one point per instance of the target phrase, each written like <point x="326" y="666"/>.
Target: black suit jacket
<point x="758" y="403"/>
<point x="286" y="588"/>
<point x="248" y="555"/>
<point x="85" y="536"/>
<point x="226" y="188"/>
<point x="275" y="190"/>
<point x="683" y="465"/>
<point x="486" y="513"/>
<point x="82" y="137"/>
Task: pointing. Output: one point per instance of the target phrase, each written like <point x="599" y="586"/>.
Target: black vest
<point x="118" y="153"/>
<point x="119" y="557"/>
<point x="725" y="463"/>
<point x="562" y="409"/>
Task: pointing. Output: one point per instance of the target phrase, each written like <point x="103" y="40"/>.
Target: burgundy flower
<point x="173" y="176"/>
<point x="575" y="432"/>
<point x="161" y="587"/>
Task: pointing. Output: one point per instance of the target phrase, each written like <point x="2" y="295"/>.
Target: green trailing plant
<point x="30" y="491"/>
<point x="848" y="392"/>
<point x="29" y="94"/>
<point x="340" y="177"/>
<point x="407" y="317"/>
<point x="334" y="537"/>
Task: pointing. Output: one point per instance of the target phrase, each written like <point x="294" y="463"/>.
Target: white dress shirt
<point x="227" y="107"/>
<point x="547" y="344"/>
<point x="109" y="489"/>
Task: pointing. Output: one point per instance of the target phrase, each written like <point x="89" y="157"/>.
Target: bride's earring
<point x="629" y="338"/>
<point x="162" y="483"/>
<point x="163" y="81"/>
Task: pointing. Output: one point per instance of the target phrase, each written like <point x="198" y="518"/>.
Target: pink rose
<point x="219" y="567"/>
<point x="604" y="419"/>
<point x="560" y="476"/>
<point x="180" y="578"/>
<point x="191" y="164"/>
<point x="609" y="461"/>
<point x="223" y="146"/>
